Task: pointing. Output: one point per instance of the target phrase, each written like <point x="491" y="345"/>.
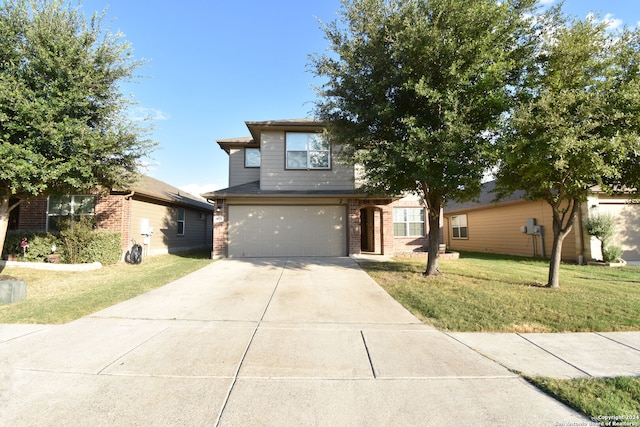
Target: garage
<point x="279" y="231"/>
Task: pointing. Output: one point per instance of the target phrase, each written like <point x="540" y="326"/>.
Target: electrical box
<point x="531" y="225"/>
<point x="144" y="226"/>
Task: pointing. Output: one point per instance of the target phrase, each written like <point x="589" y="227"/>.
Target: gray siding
<point x="274" y="176"/>
<point x="238" y="174"/>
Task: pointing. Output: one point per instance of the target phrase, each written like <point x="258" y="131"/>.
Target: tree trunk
<point x="434" y="205"/>
<point x="4" y="221"/>
<point x="556" y="257"/>
<point x="5" y="210"/>
<point x="563" y="220"/>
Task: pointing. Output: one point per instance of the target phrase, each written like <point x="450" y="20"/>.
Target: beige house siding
<point x="163" y="219"/>
<point x="627" y="215"/>
<point x="238" y="173"/>
<point x="498" y="229"/>
<point x="274" y="175"/>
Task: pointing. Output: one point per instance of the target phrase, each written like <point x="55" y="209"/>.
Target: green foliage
<point x="64" y="124"/>
<point x="39" y="244"/>
<point x="577" y="123"/>
<point x="82" y="244"/>
<point x="414" y="90"/>
<point x="612" y="253"/>
<point x="603" y="227"/>
<point x="104" y="248"/>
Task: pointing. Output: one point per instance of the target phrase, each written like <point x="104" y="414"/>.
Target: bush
<point x="612" y="253"/>
<point x="77" y="245"/>
<point x="39" y="244"/>
<point x="104" y="248"/>
<point x="603" y="227"/>
<point x="82" y="244"/>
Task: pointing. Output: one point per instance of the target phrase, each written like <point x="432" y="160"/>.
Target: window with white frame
<point x="180" y="221"/>
<point x="408" y="222"/>
<point x="61" y="209"/>
<point x="307" y="151"/>
<point x="459" y="229"/>
<point x="252" y="157"/>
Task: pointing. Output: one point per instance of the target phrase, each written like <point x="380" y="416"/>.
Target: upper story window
<point x="408" y="222"/>
<point x="459" y="229"/>
<point x="252" y="157"/>
<point x="307" y="151"/>
<point x="70" y="209"/>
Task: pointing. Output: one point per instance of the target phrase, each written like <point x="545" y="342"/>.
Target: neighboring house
<point x="160" y="217"/>
<point x="520" y="227"/>
<point x="289" y="195"/>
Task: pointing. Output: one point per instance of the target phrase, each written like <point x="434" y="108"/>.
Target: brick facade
<point x="33" y="215"/>
<point x="220" y="230"/>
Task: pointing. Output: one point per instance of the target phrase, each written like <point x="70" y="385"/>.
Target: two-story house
<point x="289" y="195"/>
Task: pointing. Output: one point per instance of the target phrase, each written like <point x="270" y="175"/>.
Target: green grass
<point x="598" y="398"/>
<point x="481" y="292"/>
<point x="58" y="297"/>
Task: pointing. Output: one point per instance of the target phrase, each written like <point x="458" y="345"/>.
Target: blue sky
<point x="214" y="64"/>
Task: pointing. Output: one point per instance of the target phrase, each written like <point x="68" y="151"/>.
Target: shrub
<point x="612" y="253"/>
<point x="39" y="244"/>
<point x="82" y="244"/>
<point x="104" y="248"/>
<point x="603" y="227"/>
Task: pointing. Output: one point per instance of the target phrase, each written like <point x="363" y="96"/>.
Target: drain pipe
<point x="542" y="241"/>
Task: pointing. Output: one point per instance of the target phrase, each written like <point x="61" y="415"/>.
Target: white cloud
<point x="144" y="113"/>
<point x="546" y="2"/>
<point x="611" y="22"/>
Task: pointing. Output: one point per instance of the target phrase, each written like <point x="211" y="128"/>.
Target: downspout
<point x="126" y="227"/>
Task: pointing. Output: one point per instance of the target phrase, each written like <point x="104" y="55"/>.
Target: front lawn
<point x="55" y="297"/>
<point x="481" y="292"/>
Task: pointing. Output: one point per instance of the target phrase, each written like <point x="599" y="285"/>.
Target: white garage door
<point x="274" y="231"/>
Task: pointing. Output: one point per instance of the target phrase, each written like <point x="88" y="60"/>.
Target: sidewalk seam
<point x="617" y="342"/>
<point x="246" y="350"/>
<point x="366" y="348"/>
<point x="556" y="356"/>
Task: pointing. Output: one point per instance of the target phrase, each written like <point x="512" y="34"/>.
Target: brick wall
<point x="220" y="231"/>
<point x="33" y="214"/>
<point x="113" y="213"/>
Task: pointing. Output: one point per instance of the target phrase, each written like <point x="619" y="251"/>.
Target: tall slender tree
<point x="414" y="90"/>
<point x="577" y="125"/>
<point x="63" y="123"/>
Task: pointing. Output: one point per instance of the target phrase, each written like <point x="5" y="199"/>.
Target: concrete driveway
<point x="266" y="342"/>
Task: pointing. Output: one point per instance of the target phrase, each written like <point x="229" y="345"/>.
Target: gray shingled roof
<point x="253" y="189"/>
<point x="486" y="198"/>
<point x="156" y="189"/>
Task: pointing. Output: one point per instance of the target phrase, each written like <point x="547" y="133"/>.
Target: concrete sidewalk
<point x="305" y="341"/>
<point x="566" y="355"/>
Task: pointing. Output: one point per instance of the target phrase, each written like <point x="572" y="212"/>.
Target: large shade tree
<point x="414" y="89"/>
<point x="577" y="125"/>
<point x="63" y="118"/>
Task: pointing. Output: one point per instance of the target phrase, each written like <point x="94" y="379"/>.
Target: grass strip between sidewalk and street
<point x="495" y="293"/>
<point x="55" y="297"/>
<point x="607" y="401"/>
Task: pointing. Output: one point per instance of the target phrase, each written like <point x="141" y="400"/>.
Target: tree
<point x="414" y="90"/>
<point x="577" y="124"/>
<point x="63" y="124"/>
